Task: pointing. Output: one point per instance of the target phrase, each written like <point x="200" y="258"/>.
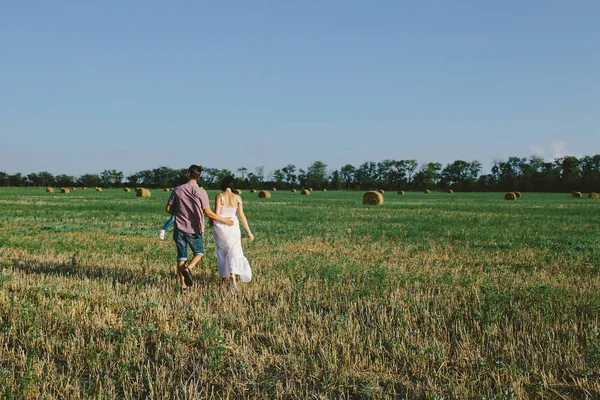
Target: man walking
<point x="191" y="204"/>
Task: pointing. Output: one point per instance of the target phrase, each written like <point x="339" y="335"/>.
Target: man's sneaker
<point x="187" y="276"/>
<point x="161" y="234"/>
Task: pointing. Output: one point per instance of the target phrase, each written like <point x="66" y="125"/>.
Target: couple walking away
<point x="188" y="205"/>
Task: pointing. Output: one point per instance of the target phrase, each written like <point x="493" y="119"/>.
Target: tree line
<point x="532" y="174"/>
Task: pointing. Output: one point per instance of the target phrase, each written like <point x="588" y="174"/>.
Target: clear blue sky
<point x="130" y="85"/>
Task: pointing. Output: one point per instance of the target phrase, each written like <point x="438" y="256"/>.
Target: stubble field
<point x="427" y="296"/>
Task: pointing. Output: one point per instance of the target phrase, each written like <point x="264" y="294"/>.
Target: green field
<point x="462" y="295"/>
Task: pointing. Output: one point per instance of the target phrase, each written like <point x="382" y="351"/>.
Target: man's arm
<point x="227" y="221"/>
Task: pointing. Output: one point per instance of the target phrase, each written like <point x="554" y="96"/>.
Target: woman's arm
<point x="242" y="218"/>
<point x="218" y="203"/>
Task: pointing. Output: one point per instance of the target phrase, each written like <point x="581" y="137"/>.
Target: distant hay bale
<point x="264" y="194"/>
<point x="252" y="190"/>
<point x="73" y="188"/>
<point x="293" y="190"/>
<point x="577" y="194"/>
<point x="510" y="196"/>
<point x="84" y="188"/>
<point x="305" y="192"/>
<point x="373" y="198"/>
<point x="310" y="189"/>
<point x="98" y="189"/>
<point x="518" y="194"/>
<point x="126" y="190"/>
<point x="274" y="189"/>
<point x="49" y="190"/>
<point x="381" y="191"/>
<point x="166" y="190"/>
<point x="401" y="192"/>
<point x="593" y="195"/>
<point x="238" y="191"/>
<point x="142" y="193"/>
<point x="324" y="190"/>
<point x="64" y="190"/>
<point x="450" y="191"/>
<point x="427" y="191"/>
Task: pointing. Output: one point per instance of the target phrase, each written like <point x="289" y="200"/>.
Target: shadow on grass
<point x="123" y="276"/>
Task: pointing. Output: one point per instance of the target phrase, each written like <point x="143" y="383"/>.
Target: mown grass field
<point x="441" y="296"/>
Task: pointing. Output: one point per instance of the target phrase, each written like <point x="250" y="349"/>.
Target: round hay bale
<point x="166" y="190"/>
<point x="142" y="193"/>
<point x="49" y="190"/>
<point x="577" y="194"/>
<point x="238" y="192"/>
<point x="98" y="189"/>
<point x="84" y="188"/>
<point x="293" y="190"/>
<point x="510" y="196"/>
<point x="264" y="194"/>
<point x="126" y="190"/>
<point x="252" y="190"/>
<point x="324" y="190"/>
<point x="518" y="194"/>
<point x="593" y="195"/>
<point x="310" y="189"/>
<point x="64" y="190"/>
<point x="450" y="191"/>
<point x="73" y="188"/>
<point x="427" y="191"/>
<point x="373" y="198"/>
<point x="274" y="189"/>
<point x="381" y="191"/>
<point x="401" y="192"/>
<point x="305" y="192"/>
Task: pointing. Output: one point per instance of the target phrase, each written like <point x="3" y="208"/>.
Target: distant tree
<point x="243" y="171"/>
<point x="253" y="181"/>
<point x="278" y="177"/>
<point x="335" y="181"/>
<point x="428" y="176"/>
<point x="290" y="174"/>
<point x="210" y="176"/>
<point x="111" y="178"/>
<point x="259" y="173"/>
<point x="17" y="180"/>
<point x="302" y="178"/>
<point x="460" y="175"/>
<point x="222" y="174"/>
<point x="316" y="175"/>
<point x="33" y="179"/>
<point x="65" y="180"/>
<point x="133" y="179"/>
<point x="347" y="173"/>
<point x="570" y="173"/>
<point x="410" y="166"/>
<point x="89" y="180"/>
<point x="590" y="173"/>
<point x="366" y="175"/>
<point x="46" y="178"/>
<point x="4" y="179"/>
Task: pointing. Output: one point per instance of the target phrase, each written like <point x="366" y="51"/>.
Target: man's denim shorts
<point x="182" y="239"/>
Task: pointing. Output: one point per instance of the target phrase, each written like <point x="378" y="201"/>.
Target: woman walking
<point x="228" y="239"/>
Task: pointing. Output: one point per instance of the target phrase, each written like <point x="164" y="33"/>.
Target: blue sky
<point x="130" y="85"/>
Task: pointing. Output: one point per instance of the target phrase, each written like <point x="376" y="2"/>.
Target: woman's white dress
<point x="228" y="239"/>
